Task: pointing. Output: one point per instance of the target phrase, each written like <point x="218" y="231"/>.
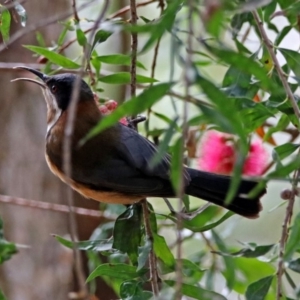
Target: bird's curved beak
<point x="42" y="76"/>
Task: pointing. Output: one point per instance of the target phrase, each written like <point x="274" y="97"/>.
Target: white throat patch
<point x="53" y="111"/>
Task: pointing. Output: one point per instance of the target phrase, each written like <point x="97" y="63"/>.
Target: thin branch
<point x="276" y="63"/>
<point x="126" y="9"/>
<point x="134" y="45"/>
<point x="149" y="235"/>
<point x="190" y="99"/>
<point x="51" y="206"/>
<point x="67" y="144"/>
<point x="289" y="209"/>
<point x="152" y="257"/>
<point x="187" y="81"/>
<point x="76" y="17"/>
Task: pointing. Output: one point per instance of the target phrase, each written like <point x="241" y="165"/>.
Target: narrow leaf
<point x="127" y="232"/>
<point x="196" y="292"/>
<point x="249" y="252"/>
<point x="162" y="250"/>
<point x="293" y="60"/>
<point x="295" y="265"/>
<point x="259" y="289"/>
<point x="55" y="58"/>
<point x="5" y="20"/>
<point x="293" y="242"/>
<point x="95" y="245"/>
<point x="285" y="150"/>
<point x="125" y="78"/>
<point x="118" y="59"/>
<point x="121" y="271"/>
<point x="176" y="166"/>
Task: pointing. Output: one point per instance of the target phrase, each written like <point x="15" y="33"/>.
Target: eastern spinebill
<point x="114" y="166"/>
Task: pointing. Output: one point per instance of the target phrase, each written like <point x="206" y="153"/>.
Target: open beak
<point x="37" y="73"/>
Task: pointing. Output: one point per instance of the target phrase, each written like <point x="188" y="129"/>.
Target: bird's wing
<point x="127" y="168"/>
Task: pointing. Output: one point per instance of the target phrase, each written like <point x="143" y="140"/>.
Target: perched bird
<point x="114" y="166"/>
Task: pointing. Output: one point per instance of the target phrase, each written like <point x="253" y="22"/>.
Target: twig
<point x="67" y="167"/>
<point x="190" y="99"/>
<point x="187" y="70"/>
<point x="149" y="235"/>
<point x="289" y="209"/>
<point x="76" y="17"/>
<point x="134" y="45"/>
<point x="126" y="9"/>
<point x="33" y="27"/>
<point x="152" y="257"/>
<point x="50" y="206"/>
<point x="276" y="64"/>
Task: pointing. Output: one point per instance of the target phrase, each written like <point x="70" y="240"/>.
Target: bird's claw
<point x="133" y="122"/>
<point x="186" y="215"/>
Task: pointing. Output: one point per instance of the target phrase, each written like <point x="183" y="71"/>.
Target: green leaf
<point x="118" y="59"/>
<point x="121" y="271"/>
<point x="259" y="289"/>
<point x="5" y="20"/>
<point x="293" y="242"/>
<point x="94" y="245"/>
<point x="294" y="265"/>
<point x="162" y="251"/>
<point x="293" y="60"/>
<point x="176" y="166"/>
<point x="285" y="170"/>
<point x="55" y="58"/>
<point x="2" y="297"/>
<point x="81" y="38"/>
<point x="238" y="83"/>
<point x="132" y="107"/>
<point x="7" y="249"/>
<point x="133" y="290"/>
<point x="128" y="233"/>
<point x="125" y="78"/>
<point x="285" y="150"/>
<point x="253" y="251"/>
<point x="165" y="23"/>
<point x="198" y="223"/>
<point x="196" y="292"/>
<point x="100" y="37"/>
<point x="191" y="271"/>
<point x="246" y="64"/>
<point x="282" y="34"/>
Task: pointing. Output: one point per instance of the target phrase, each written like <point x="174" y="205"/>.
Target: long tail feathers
<point x="214" y="188"/>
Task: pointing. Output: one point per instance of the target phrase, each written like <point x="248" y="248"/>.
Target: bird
<point x="114" y="166"/>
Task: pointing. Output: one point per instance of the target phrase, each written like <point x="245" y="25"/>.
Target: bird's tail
<point x="214" y="188"/>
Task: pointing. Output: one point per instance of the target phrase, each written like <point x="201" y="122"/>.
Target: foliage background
<point x="29" y="274"/>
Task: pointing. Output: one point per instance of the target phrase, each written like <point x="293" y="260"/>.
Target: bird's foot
<point x="133" y="122"/>
<point x="186" y="215"/>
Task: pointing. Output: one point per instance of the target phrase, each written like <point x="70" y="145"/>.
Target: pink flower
<point x="108" y="107"/>
<point x="218" y="155"/>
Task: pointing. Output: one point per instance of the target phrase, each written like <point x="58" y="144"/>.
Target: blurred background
<point x="42" y="269"/>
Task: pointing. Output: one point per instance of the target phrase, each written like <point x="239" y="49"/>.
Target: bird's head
<point x="57" y="90"/>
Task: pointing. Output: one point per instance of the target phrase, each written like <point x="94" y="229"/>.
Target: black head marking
<point x="61" y="87"/>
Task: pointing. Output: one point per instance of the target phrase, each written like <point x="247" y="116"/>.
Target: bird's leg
<point x="184" y="215"/>
<point x="133" y="122"/>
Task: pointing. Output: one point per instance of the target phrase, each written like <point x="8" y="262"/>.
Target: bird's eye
<point x="53" y="89"/>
